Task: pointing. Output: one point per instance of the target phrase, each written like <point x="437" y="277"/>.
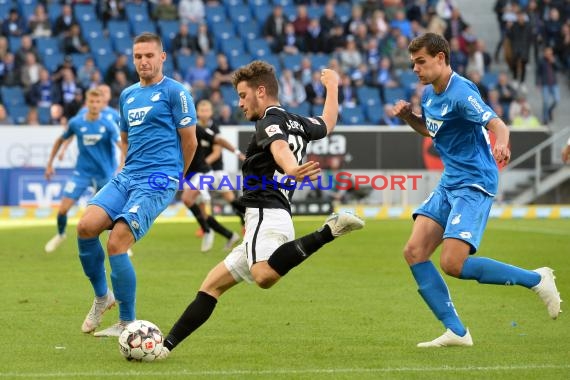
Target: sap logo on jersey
<point x="91" y="139"/>
<point x="433" y="126"/>
<point x="136" y="116"/>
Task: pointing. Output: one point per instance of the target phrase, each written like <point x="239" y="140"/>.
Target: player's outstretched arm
<point x="228" y="145"/>
<point x="215" y="155"/>
<point x="49" y="167"/>
<point x="286" y="160"/>
<point x="501" y="150"/>
<point x="329" y="79"/>
<point x="403" y="110"/>
<point x="189" y="143"/>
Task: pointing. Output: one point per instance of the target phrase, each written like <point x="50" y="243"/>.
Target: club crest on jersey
<point x="130" y="100"/>
<point x="273" y="130"/>
<point x="155" y="96"/>
<point x="444" y="109"/>
<point x="137" y="115"/>
<point x="433" y="126"/>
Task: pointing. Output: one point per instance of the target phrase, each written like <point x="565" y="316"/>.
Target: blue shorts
<point x="133" y="200"/>
<point x="462" y="213"/>
<point x="77" y="184"/>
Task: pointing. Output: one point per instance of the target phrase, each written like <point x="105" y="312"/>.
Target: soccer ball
<point x="141" y="341"/>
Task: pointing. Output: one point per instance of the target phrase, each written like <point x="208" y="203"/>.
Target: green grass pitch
<point x="350" y="312"/>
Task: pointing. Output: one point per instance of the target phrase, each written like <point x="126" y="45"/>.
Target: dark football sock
<point x="193" y="317"/>
<point x="293" y="253"/>
<point x="212" y="222"/>
<point x="200" y="218"/>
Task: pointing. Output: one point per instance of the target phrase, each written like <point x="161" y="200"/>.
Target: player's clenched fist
<point x="329" y="78"/>
<point x="402" y="109"/>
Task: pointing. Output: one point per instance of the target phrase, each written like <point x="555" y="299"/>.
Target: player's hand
<point x="329" y="78"/>
<point x="309" y="169"/>
<point x="566" y="154"/>
<point x="241" y="157"/>
<point x="50" y="171"/>
<point x="502" y="153"/>
<point x="402" y="109"/>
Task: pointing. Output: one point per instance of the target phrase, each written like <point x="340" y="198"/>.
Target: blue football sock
<point x="61" y="223"/>
<point x="489" y="271"/>
<point x="92" y="259"/>
<point x="124" y="285"/>
<point x="434" y="291"/>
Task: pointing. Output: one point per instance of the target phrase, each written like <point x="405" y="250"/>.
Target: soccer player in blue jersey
<point x="157" y="123"/>
<point x="454" y="215"/>
<point x="96" y="163"/>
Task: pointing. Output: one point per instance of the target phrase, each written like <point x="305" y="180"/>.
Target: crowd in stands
<point x="51" y="52"/>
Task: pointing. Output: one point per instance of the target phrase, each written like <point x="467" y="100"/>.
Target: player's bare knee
<point x="86" y="230"/>
<point x="265" y="282"/>
<point x="451" y="267"/>
<point x="413" y="254"/>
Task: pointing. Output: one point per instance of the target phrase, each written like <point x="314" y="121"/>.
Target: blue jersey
<point x="96" y="140"/>
<point x="151" y="116"/>
<point x="456" y="120"/>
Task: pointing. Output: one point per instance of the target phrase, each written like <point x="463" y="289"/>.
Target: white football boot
<point x="449" y="339"/>
<point x="343" y="223"/>
<point x="547" y="291"/>
<point x="95" y="315"/>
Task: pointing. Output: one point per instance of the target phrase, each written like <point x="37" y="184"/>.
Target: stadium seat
<point x="47" y="46"/>
<point x="261" y="12"/>
<point x="183" y="62"/>
<point x="490" y="79"/>
<point x="141" y="27"/>
<point x="12" y="96"/>
<point x="290" y="12"/>
<point x="239" y="60"/>
<point x="84" y="13"/>
<point x="118" y="29"/>
<point x="315" y="11"/>
<point x="78" y="59"/>
<point x="320" y="61"/>
<point x="123" y="46"/>
<point x="18" y="113"/>
<point x="137" y="14"/>
<point x="232" y="47"/>
<point x="408" y="79"/>
<point x="168" y="30"/>
<point x="44" y="115"/>
<point x="259" y="48"/>
<point x="292" y="61"/>
<point x="104" y="61"/>
<point x="302" y="109"/>
<point x="275" y="61"/>
<point x="52" y="61"/>
<point x="53" y="11"/>
<point x="92" y="30"/>
<point x="373" y="113"/>
<point x="222" y="31"/>
<point x="368" y="96"/>
<point x="101" y="46"/>
<point x="392" y="95"/>
<point x="343" y="11"/>
<point x="229" y="95"/>
<point x="14" y="43"/>
<point x="240" y="14"/>
<point x="215" y="14"/>
<point x="352" y="116"/>
<point x="317" y="109"/>
<point x="249" y="30"/>
<point x="26" y="9"/>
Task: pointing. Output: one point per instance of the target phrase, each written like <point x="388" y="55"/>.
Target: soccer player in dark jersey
<point x="200" y="177"/>
<point x="157" y="123"/>
<point x="455" y="214"/>
<point x="213" y="152"/>
<point x="273" y="162"/>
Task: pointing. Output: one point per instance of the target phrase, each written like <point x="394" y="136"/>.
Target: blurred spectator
<point x="72" y="107"/>
<point x="361" y="76"/>
<point x="315" y="90"/>
<point x="314" y="39"/>
<point x="362" y="37"/>
<point x="183" y="43"/>
<point x="165" y="10"/>
<point x="356" y="19"/>
<point x="305" y="73"/>
<point x="85" y="72"/>
<point x="3" y="47"/>
<point x="384" y="77"/>
<point x="346" y="92"/>
<point x="435" y="23"/>
<point x="191" y="11"/>
<point x="400" y="56"/>
<point x="493" y="99"/>
<point x="274" y="27"/>
<point x="67" y="63"/>
<point x="302" y="21"/>
<point x="400" y="22"/>
<point x="13" y="25"/>
<point x="417" y="11"/>
<point x="546" y="73"/>
<point x="199" y="75"/>
<point x="32" y="119"/>
<point x="455" y="25"/>
<point x="30" y="71"/>
<point x="39" y="23"/>
<point x="120" y="64"/>
<point x="329" y="20"/>
<point x="525" y="119"/>
<point x="112" y="10"/>
<point x="117" y="86"/>
<point x="64" y="22"/>
<point x="388" y="118"/>
<point x="42" y="93"/>
<point x="336" y="40"/>
<point x="564" y="48"/>
<point x="74" y="41"/>
<point x="506" y="92"/>
<point x="226" y="116"/>
<point x="204" y="40"/>
<point x="372" y="52"/>
<point x="26" y="46"/>
<point x="223" y="72"/>
<point x="378" y="26"/>
<point x="95" y="80"/>
<point x="289" y="43"/>
<point x="520" y="36"/>
<point x="217" y="101"/>
<point x="66" y="90"/>
<point x="444" y="8"/>
<point x="536" y="24"/>
<point x="349" y="57"/>
<point x="552" y="28"/>
<point x="9" y="73"/>
<point x="56" y="115"/>
<point x="475" y="77"/>
<point x="516" y="106"/>
<point x="457" y="59"/>
<point x="4" y="118"/>
<point x="291" y="91"/>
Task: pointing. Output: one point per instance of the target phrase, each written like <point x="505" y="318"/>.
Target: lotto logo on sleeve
<point x="136" y="116"/>
<point x="272" y="130"/>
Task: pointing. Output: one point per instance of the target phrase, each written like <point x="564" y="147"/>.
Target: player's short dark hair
<point x="255" y="74"/>
<point x="148" y="37"/>
<point x="434" y="43"/>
